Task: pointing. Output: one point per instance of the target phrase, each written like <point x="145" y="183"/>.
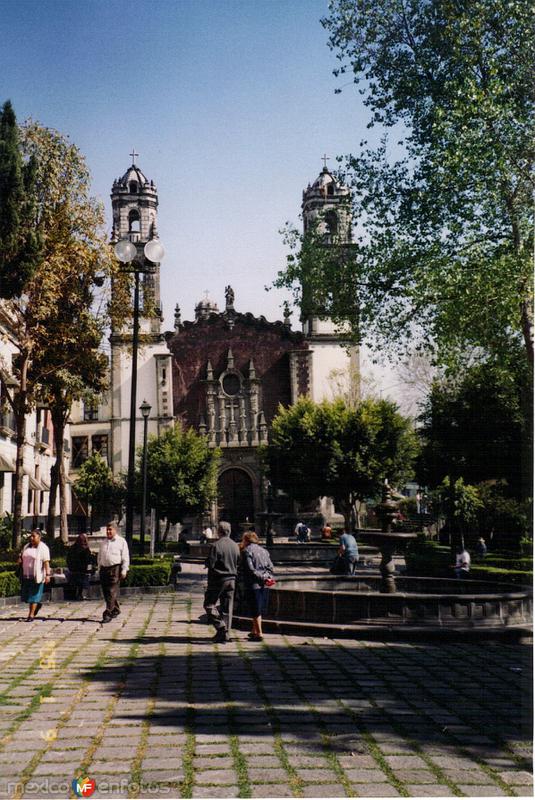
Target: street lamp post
<point x="126" y="252"/>
<point x="269" y="514"/>
<point x="145" y="409"/>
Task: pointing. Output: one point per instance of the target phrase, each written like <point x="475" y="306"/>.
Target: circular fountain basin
<point x="336" y="606"/>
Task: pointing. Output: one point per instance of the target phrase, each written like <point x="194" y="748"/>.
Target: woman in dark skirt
<point x="257" y="571"/>
<point x="79" y="559"/>
<point x="35" y="563"/>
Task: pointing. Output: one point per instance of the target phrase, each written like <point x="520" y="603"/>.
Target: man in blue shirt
<point x="348" y="552"/>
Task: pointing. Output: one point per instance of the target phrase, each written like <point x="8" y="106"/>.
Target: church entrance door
<point x="236" y="499"/>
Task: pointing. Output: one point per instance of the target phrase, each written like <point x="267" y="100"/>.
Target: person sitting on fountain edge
<point x="348" y="552"/>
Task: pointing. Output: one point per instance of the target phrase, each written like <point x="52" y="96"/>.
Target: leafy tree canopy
<point x="443" y="217"/>
<point x="97" y="486"/>
<point x="181" y="473"/>
<point x="333" y="450"/>
<point x="474" y="427"/>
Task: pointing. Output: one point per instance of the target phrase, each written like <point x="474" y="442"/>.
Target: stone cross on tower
<point x="325" y="158"/>
<point x="133" y="154"/>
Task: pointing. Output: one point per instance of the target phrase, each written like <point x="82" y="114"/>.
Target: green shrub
<point x="9" y="584"/>
<point x="428" y="559"/>
<point x="149" y="574"/>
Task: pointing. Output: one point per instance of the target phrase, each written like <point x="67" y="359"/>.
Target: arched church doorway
<point x="236" y="499"/>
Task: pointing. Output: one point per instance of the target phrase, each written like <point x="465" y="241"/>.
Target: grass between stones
<point x="294" y="781"/>
<point x="240" y="763"/>
<point x="375" y="751"/>
<point x="4" y="696"/>
<point x="328" y="754"/>
<point x="186" y="787"/>
<point x="441" y="777"/>
<point x="136" y="776"/>
<point x="132" y="653"/>
<point x="46" y="691"/>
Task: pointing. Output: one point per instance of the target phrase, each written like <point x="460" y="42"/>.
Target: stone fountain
<point x="388" y="540"/>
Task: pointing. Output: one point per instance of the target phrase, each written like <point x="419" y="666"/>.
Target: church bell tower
<point x="134" y="201"/>
<point x="335" y="364"/>
<point x="326" y="207"/>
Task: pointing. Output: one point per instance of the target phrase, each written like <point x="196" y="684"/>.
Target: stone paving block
<point x="271" y="790"/>
<point x="376" y="790"/>
<point x="453" y="762"/>
<point x="517" y="777"/>
<point x="158" y="762"/>
<point x="357" y="762"/>
<point x="254" y="748"/>
<point x="474" y="775"/>
<point x="217" y="762"/>
<point x="415" y="775"/>
<point x="410" y="762"/>
<point x="476" y="790"/>
<point x="215" y="776"/>
<point x="430" y="790"/>
<point x="210" y="791"/>
<point x="321" y="775"/>
<point x="162" y="775"/>
<point x="114" y="753"/>
<point x="324" y="790"/>
<point x="213" y="749"/>
<point x="367" y="776"/>
<point x="110" y="767"/>
<point x="267" y="775"/>
<point x="263" y="762"/>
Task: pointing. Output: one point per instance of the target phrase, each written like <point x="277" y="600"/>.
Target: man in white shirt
<point x="113" y="563"/>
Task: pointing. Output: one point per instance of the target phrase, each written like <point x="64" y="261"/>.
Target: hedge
<point x="434" y="561"/>
<point x="8" y="566"/>
<point x="9" y="584"/>
<point x="148" y="574"/>
<point x="486" y="573"/>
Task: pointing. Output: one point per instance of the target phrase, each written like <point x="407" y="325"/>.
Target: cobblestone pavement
<point x="148" y="706"/>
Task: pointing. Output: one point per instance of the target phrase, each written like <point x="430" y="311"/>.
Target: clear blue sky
<point x="229" y="103"/>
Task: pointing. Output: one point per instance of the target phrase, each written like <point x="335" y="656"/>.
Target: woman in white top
<point x="35" y="563"/>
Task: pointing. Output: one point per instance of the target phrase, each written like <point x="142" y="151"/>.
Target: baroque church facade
<point x="224" y="372"/>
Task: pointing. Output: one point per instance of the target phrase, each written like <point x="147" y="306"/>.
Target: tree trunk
<point x="19" y="405"/>
<point x="63" y="523"/>
<point x="19" y="477"/>
<point x="166" y="531"/>
<point x="51" y="514"/>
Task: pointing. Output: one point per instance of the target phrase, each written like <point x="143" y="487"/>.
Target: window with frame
<point x="99" y="444"/>
<point x="80" y="450"/>
<point x="91" y="411"/>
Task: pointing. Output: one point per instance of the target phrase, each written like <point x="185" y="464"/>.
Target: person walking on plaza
<point x="113" y="564"/>
<point x="222" y="563"/>
<point x="348" y="552"/>
<point x="35" y="564"/>
<point x="257" y="571"/>
<point x="79" y="559"/>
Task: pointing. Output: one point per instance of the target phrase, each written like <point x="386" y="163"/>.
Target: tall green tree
<point x="344" y="453"/>
<point x="474" y="426"/>
<point x="443" y="206"/>
<point x="181" y="474"/>
<point x="20" y="242"/>
<point x="73" y="258"/>
<point x="97" y="487"/>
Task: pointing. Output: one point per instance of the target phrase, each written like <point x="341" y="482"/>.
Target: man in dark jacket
<point x="222" y="563"/>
